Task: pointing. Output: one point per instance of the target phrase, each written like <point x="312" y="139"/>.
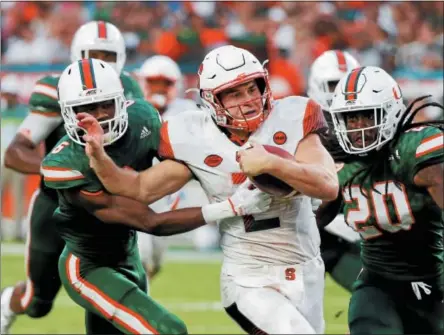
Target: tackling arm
<point x="114" y="209"/>
<point x="432" y="178"/>
<point x="147" y="186"/>
<point x="120" y="210"/>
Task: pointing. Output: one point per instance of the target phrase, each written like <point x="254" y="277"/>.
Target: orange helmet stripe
<point x="342" y="63"/>
<point x="351" y="85"/>
<point x="102" y="29"/>
<point x="87" y="74"/>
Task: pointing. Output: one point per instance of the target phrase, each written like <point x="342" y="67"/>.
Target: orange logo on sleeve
<point x="280" y="138"/>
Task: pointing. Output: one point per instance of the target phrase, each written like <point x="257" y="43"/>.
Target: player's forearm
<point x="313" y="180"/>
<point x="124" y="182"/>
<point x="176" y="222"/>
<point x="23" y="159"/>
<point x="183" y="220"/>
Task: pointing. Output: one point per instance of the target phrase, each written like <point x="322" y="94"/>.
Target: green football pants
<point x="117" y="295"/>
<point x="382" y="306"/>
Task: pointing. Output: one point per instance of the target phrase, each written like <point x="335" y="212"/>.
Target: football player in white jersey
<point x="163" y="86"/>
<point x="339" y="243"/>
<point x="272" y="278"/>
<point x="162" y="82"/>
<point x="44" y="123"/>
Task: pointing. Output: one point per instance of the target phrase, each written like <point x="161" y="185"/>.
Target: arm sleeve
<point x="37" y="127"/>
<point x="66" y="168"/>
<point x="314" y="120"/>
<point x="419" y="149"/>
<point x="165" y="148"/>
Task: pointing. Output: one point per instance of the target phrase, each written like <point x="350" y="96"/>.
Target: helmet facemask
<point x="222" y="115"/>
<point x="114" y="127"/>
<point x="382" y="123"/>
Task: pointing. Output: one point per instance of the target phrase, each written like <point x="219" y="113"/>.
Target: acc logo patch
<point x="213" y="160"/>
<point x="279" y="137"/>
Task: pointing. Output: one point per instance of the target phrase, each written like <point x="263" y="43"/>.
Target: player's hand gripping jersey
<point x="271" y="237"/>
<point x="394" y="226"/>
<point x="67" y="166"/>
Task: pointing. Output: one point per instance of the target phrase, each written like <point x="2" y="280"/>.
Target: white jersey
<point x="178" y="106"/>
<point x="152" y="248"/>
<point x="287" y="232"/>
<point x="191" y="194"/>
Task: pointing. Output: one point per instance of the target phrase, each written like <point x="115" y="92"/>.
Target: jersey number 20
<point x="372" y="215"/>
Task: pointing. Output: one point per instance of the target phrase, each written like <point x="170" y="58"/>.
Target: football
<point x="270" y="184"/>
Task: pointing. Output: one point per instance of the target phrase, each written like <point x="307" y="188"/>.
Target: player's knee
<point x="38" y="309"/>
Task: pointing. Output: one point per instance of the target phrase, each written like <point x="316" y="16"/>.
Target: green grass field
<point x="189" y="288"/>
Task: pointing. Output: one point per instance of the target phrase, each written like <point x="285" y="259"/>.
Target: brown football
<point x="270" y="184"/>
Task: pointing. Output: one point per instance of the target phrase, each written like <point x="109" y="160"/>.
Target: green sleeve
<point x="44" y="98"/>
<point x="131" y="87"/>
<point x="417" y="149"/>
<point x="67" y="166"/>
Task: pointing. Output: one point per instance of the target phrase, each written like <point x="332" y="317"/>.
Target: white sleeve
<point x="37" y="127"/>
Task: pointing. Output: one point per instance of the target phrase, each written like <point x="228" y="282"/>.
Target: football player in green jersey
<point x="44" y="124"/>
<point x="392" y="190"/>
<point x="100" y="266"/>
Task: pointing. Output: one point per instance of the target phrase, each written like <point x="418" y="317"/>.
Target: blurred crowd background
<point x="404" y="38"/>
<point x="393" y="35"/>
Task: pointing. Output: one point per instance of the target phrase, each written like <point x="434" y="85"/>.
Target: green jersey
<point x="44" y="101"/>
<point x="401" y="230"/>
<point x="67" y="167"/>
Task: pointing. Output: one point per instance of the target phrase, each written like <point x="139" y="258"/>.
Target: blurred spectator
<point x="42" y="32"/>
<point x="398" y="36"/>
<point x="12" y="114"/>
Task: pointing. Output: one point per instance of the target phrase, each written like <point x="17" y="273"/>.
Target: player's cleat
<point x="7" y="317"/>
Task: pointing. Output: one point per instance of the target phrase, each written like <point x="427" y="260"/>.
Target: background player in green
<point x="393" y="195"/>
<point x="35" y="297"/>
<point x="100" y="266"/>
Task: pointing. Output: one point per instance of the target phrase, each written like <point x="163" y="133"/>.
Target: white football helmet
<point x="368" y="89"/>
<point x="161" y="67"/>
<point x="90" y="81"/>
<point x="99" y="35"/>
<point x="325" y="73"/>
<point x="226" y="67"/>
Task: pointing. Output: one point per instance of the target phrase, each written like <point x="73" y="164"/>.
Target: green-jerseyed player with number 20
<point x="393" y="195"/>
<point x="100" y="266"/>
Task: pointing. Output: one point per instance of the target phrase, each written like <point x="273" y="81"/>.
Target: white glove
<point x="315" y="203"/>
<point x="249" y="200"/>
<point x="246" y="200"/>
